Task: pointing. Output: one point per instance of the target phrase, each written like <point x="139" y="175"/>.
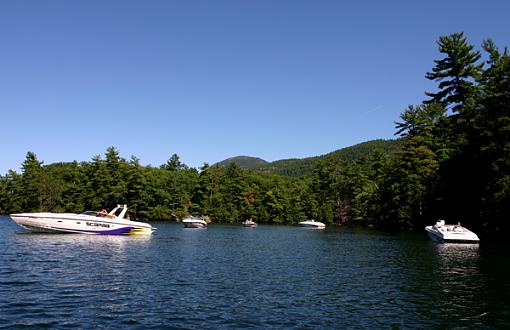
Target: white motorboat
<point x="312" y="224"/>
<point x="249" y="223"/>
<point x="88" y="222"/>
<point x="192" y="222"/>
<point x="441" y="232"/>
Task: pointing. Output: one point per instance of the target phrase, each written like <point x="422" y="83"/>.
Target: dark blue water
<point x="236" y="277"/>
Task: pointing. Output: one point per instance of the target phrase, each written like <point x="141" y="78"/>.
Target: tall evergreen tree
<point x="75" y="192"/>
<point x="31" y="183"/>
<point x="12" y="195"/>
<point x="174" y="164"/>
<point x="456" y="73"/>
<point x="493" y="131"/>
<point x="116" y="184"/>
<point x="136" y="183"/>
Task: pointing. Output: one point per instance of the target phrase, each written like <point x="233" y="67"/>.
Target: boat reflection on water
<point x="96" y="245"/>
<point x="460" y="282"/>
<point x="458" y="264"/>
<point x="452" y="254"/>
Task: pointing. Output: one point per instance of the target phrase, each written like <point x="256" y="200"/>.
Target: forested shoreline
<point x="454" y="164"/>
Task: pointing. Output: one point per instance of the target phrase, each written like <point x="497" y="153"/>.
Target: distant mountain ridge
<point x="305" y="166"/>
<point x="245" y="162"/>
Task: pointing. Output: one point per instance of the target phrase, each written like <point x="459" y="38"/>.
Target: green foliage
<point x="306" y="166"/>
<point x="31" y="183"/>
<point x="174" y="164"/>
<point x="446" y="164"/>
<point x="456" y="72"/>
<point x="11" y="193"/>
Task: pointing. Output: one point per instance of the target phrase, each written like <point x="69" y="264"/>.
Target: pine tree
<point x="31" y="183"/>
<point x="136" y="183"/>
<point x="11" y="193"/>
<point x="493" y="131"/>
<point x="456" y="73"/>
<point x="174" y="164"/>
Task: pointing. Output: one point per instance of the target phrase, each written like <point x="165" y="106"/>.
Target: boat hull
<point x="249" y="223"/>
<point x="312" y="227"/>
<point x="312" y="224"/>
<point x="192" y="222"/>
<point x="194" y="225"/>
<point x="451" y="237"/>
<point x="82" y="224"/>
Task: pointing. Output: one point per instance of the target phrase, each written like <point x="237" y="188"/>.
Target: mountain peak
<point x="245" y="162"/>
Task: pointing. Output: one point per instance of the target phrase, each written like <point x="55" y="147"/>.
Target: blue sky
<point x="210" y="80"/>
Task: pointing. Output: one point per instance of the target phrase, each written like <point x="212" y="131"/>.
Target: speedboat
<point x="443" y="233"/>
<point x="249" y="223"/>
<point x="88" y="222"/>
<point x="312" y="224"/>
<point x="192" y="222"/>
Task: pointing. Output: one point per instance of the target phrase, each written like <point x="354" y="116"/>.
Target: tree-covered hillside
<point x="452" y="161"/>
<point x="305" y="166"/>
<point x="244" y="162"/>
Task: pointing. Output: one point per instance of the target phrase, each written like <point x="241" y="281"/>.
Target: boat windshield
<point x="93" y="213"/>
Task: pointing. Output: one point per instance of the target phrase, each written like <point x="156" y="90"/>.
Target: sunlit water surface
<point x="265" y="277"/>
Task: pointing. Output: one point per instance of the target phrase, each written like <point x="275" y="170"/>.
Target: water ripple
<point x="268" y="277"/>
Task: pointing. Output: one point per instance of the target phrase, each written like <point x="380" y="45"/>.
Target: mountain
<point x="354" y="152"/>
<point x="245" y="162"/>
<point x="305" y="166"/>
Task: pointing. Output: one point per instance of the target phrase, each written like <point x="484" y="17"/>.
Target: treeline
<point x="453" y="163"/>
<point x="169" y="192"/>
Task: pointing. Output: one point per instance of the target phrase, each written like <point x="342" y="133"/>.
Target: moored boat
<point x="312" y="224"/>
<point x="249" y="223"/>
<point x="88" y="222"/>
<point x="443" y="233"/>
<point x="192" y="222"/>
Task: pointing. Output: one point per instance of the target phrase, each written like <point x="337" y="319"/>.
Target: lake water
<point x="229" y="276"/>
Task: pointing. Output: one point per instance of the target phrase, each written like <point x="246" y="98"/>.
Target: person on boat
<point x="103" y="213"/>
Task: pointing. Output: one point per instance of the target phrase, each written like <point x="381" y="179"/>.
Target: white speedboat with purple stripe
<point x="88" y="222"/>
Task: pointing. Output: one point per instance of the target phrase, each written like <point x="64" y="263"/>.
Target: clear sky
<point x="215" y="79"/>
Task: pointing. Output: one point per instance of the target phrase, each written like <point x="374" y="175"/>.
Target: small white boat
<point x="249" y="223"/>
<point x="443" y="233"/>
<point x="312" y="224"/>
<point x="88" y="222"/>
<point x="192" y="222"/>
